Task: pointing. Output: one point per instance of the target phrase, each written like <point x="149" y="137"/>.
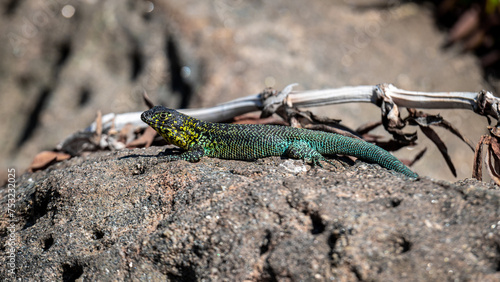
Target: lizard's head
<point x="160" y="117"/>
<point x="175" y="127"/>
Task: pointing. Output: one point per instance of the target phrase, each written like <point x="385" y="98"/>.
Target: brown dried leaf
<point x="447" y="125"/>
<point x="126" y="134"/>
<point x="145" y="140"/>
<point x="494" y="131"/>
<point x="98" y="122"/>
<point x="319" y="119"/>
<point x="391" y="145"/>
<point x="466" y="24"/>
<point x="147" y="100"/>
<point x="417" y="157"/>
<point x="491" y="170"/>
<point x="367" y="127"/>
<point x="373" y="138"/>
<point x="475" y="40"/>
<point x="495" y="151"/>
<point x="490" y="58"/>
<point x="391" y="116"/>
<point x="401" y="139"/>
<point x="431" y="134"/>
<point x="44" y="159"/>
<point x="393" y="124"/>
<point x="425" y="120"/>
<point x="477" y="169"/>
<point x="96" y="138"/>
<point x="79" y="142"/>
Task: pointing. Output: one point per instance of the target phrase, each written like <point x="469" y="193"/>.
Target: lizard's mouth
<point x="144" y="117"/>
<point x="147" y="117"/>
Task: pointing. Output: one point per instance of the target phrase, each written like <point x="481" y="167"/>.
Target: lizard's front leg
<point x="192" y="155"/>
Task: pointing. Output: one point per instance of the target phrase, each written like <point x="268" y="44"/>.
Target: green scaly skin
<point x="251" y="141"/>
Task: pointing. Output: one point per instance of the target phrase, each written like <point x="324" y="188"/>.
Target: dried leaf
<point x="402" y="140"/>
<point x="393" y="124"/>
<point x="424" y="119"/>
<point x="373" y="138"/>
<point x="417" y="157"/>
<point x="475" y="40"/>
<point x="126" y="134"/>
<point x="466" y="24"/>
<point x="495" y="151"/>
<point x="44" y="159"/>
<point x="304" y="118"/>
<point x="490" y="58"/>
<point x="494" y="131"/>
<point x="96" y="138"/>
<point x="491" y="170"/>
<point x="78" y="142"/>
<point x="445" y="124"/>
<point x="319" y="119"/>
<point x="477" y="170"/>
<point x="390" y="116"/>
<point x="98" y="125"/>
<point x="427" y="120"/>
<point x="431" y="134"/>
<point x="145" y="140"/>
<point x="367" y="127"/>
<point x="391" y="145"/>
<point x="147" y="100"/>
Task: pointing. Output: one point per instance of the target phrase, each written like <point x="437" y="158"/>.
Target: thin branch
<point x="482" y="102"/>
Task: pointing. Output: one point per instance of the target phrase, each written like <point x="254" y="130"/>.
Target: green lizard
<point x="252" y="141"/>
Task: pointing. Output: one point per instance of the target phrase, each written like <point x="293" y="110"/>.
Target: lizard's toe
<point x="335" y="163"/>
<point x="314" y="161"/>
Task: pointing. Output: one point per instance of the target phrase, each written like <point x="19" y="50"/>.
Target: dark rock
<point x="127" y="215"/>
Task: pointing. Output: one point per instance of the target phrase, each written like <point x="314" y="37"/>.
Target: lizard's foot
<point x="168" y="158"/>
<point x="315" y="160"/>
<point x="193" y="155"/>
<point x="335" y="163"/>
<point x="169" y="155"/>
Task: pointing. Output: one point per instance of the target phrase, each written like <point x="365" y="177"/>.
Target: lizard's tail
<point x="369" y="152"/>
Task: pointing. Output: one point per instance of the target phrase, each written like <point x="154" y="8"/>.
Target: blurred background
<point x="62" y="61"/>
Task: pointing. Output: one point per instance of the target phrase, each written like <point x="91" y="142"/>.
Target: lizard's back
<point x="249" y="142"/>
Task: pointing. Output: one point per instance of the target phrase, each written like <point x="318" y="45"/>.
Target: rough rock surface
<point x="127" y="215"/>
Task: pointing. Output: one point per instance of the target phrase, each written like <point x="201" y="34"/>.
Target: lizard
<point x="253" y="141"/>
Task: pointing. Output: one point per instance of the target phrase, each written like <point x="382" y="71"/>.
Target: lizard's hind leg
<point x="335" y="162"/>
<point x="302" y="150"/>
